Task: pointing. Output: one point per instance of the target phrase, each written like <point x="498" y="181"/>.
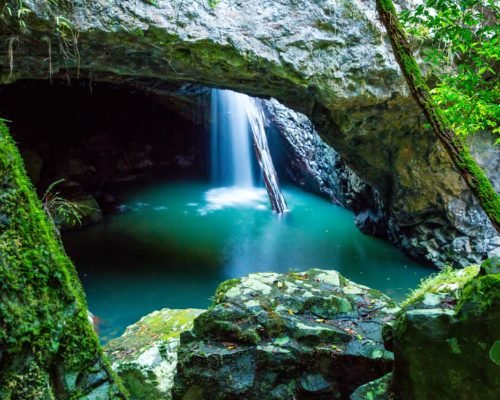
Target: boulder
<point x="446" y="338"/>
<point x="282" y="336"/>
<point x="145" y="356"/>
<point x="376" y="390"/>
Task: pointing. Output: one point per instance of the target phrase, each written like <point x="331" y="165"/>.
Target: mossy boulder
<point x="48" y="348"/>
<point x="445" y="340"/>
<point x="145" y="356"/>
<point x="312" y="334"/>
<point x="379" y="389"/>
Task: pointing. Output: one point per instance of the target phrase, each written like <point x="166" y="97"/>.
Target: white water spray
<point x="236" y="120"/>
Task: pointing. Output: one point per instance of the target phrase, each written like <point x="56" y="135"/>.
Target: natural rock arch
<point x="330" y="60"/>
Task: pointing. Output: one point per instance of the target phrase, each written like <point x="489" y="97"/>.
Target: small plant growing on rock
<point x="59" y="209"/>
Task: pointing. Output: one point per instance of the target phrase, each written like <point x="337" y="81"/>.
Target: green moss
<point x="439" y="282"/>
<point x="495" y="352"/>
<point x="491" y="265"/>
<point x="160" y="325"/>
<point x="479" y="294"/>
<point x="223" y="288"/>
<point x="454" y="346"/>
<point x="458" y="151"/>
<point x="43" y="313"/>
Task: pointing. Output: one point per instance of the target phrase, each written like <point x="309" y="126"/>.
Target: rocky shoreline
<point x="317" y="335"/>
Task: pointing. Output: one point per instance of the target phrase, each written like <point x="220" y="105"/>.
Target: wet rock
<point x="145" y="356"/>
<point x="317" y="167"/>
<point x="444" y="338"/>
<point x="377" y="390"/>
<point x="298" y="335"/>
<point x="462" y="236"/>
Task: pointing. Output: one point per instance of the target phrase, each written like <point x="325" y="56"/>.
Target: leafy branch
<point x="464" y="57"/>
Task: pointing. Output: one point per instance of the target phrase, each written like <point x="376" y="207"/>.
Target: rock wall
<point x="48" y="349"/>
<point x="329" y="60"/>
<point x="446" y="339"/>
<point x="317" y="167"/>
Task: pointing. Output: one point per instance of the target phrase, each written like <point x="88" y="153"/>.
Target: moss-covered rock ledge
<point x="145" y="356"/>
<point x="48" y="349"/>
<point x="446" y="339"/>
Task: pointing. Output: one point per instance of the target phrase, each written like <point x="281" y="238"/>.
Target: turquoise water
<point x="175" y="242"/>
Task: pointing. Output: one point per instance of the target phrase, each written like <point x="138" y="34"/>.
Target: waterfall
<point x="231" y="148"/>
<point x="237" y="120"/>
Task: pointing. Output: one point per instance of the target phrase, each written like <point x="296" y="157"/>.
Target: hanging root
<point x="49" y="58"/>
<point x="11" y="42"/>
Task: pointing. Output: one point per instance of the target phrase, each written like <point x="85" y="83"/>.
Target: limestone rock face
<point x="446" y="339"/>
<point x="272" y="336"/>
<point x="319" y="168"/>
<point x="145" y="356"/>
<point x="329" y="60"/>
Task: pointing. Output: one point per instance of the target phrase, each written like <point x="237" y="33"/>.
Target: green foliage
<point x="213" y="3"/>
<point x="62" y="210"/>
<point x="441" y="281"/>
<point x="15" y="21"/>
<point x="495" y="353"/>
<point x="16" y="11"/>
<point x="464" y="55"/>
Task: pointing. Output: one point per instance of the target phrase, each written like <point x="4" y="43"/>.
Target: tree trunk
<point x="261" y="146"/>
<point x="473" y="175"/>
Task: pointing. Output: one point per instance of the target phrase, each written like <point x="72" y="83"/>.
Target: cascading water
<point x="231" y="142"/>
<point x="234" y="116"/>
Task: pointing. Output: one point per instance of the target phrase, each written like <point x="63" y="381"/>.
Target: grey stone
<point x="284" y="347"/>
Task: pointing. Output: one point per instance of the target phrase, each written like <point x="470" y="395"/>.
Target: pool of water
<point x="175" y="242"/>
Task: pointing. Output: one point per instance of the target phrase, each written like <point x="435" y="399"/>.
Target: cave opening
<point x="156" y="231"/>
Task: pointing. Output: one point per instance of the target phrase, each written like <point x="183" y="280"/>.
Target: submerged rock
<point x="145" y="356"/>
<point x="283" y="336"/>
<point x="446" y="339"/>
